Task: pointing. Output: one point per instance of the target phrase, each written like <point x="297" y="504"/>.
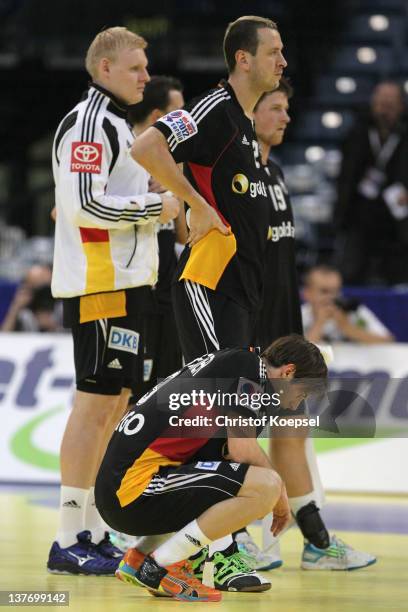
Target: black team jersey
<point x="144" y="440"/>
<point x="217" y="143"/>
<point x="280" y="313"/>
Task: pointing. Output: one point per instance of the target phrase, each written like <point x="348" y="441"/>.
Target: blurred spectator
<point x="329" y="317"/>
<point x="33" y="308"/>
<point x="372" y="206"/>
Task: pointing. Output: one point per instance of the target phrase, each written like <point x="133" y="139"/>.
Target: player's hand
<point x="202" y="220"/>
<point x="281" y="513"/>
<point x="324" y="313"/>
<point x="170" y="209"/>
<point x="341" y="319"/>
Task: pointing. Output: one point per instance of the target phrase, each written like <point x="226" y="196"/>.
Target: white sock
<point x="93" y="520"/>
<point x="220" y="544"/>
<point x="148" y="543"/>
<point x="296" y="503"/>
<point x="71" y="515"/>
<point x="181" y="545"/>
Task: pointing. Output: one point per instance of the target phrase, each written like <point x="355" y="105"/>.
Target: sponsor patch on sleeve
<point x="181" y="124"/>
<point x="86" y="157"/>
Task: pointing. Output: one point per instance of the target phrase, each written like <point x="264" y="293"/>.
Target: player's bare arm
<point x="150" y="149"/>
<point x="247" y="450"/>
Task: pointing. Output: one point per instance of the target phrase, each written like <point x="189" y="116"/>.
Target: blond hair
<point x="108" y="43"/>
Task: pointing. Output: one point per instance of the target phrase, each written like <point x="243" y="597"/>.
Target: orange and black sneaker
<point x="132" y="560"/>
<point x="175" y="581"/>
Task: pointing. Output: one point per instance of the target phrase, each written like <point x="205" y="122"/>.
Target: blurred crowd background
<point x="345" y="155"/>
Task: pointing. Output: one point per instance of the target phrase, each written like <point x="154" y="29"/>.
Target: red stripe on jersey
<point x="177" y="449"/>
<point x="203" y="178"/>
<point x="91" y="234"/>
<point x="184" y="447"/>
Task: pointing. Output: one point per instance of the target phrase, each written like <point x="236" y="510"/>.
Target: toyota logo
<point x="86" y="153"/>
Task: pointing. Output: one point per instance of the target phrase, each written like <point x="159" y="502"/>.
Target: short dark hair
<point x="243" y="34"/>
<point x="323" y="268"/>
<point x="156" y="95"/>
<point x="284" y="86"/>
<point x="303" y="354"/>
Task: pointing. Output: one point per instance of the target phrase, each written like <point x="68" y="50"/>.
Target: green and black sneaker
<point x="197" y="562"/>
<point x="231" y="571"/>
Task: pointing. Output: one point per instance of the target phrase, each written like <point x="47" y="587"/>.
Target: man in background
<point x="33" y="308"/>
<point x="328" y="317"/>
<point x="372" y="205"/>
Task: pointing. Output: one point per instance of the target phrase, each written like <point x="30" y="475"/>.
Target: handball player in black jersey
<point x="293" y="457"/>
<point x="219" y="279"/>
<point x="159" y="476"/>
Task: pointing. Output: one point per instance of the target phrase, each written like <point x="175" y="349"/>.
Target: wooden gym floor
<point x="377" y="524"/>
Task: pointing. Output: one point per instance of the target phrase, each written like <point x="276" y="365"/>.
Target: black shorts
<point x="162" y="349"/>
<point x="108" y="354"/>
<point x="208" y="321"/>
<point x="174" y="497"/>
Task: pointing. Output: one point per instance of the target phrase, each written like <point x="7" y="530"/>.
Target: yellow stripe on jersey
<point x="138" y="476"/>
<point x="102" y="306"/>
<point x="209" y="258"/>
<point x="100" y="273"/>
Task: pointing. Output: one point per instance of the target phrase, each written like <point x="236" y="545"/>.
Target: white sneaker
<point x="255" y="557"/>
<point x="338" y="556"/>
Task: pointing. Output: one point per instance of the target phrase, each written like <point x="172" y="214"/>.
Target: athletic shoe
<point x="80" y="558"/>
<point x="338" y="556"/>
<point x="106" y="548"/>
<point x="197" y="561"/>
<point x="128" y="567"/>
<point x="122" y="540"/>
<point x="131" y="562"/>
<point x="175" y="581"/>
<point x="231" y="571"/>
<point x="254" y="556"/>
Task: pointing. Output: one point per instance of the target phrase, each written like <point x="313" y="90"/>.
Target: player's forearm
<point x="10" y="319"/>
<point x="150" y="150"/>
<point x="361" y="335"/>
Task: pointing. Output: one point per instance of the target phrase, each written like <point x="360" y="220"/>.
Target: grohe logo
<point x="240" y="185"/>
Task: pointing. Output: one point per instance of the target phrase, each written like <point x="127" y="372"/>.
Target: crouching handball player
<point x="201" y="483"/>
